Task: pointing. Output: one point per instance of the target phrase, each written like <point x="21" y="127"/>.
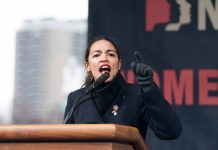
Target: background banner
<point x="179" y="39"/>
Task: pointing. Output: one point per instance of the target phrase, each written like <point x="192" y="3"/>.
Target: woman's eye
<point x="111" y="55"/>
<point x="96" y="55"/>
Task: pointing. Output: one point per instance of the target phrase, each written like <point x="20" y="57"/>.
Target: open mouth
<point x="105" y="69"/>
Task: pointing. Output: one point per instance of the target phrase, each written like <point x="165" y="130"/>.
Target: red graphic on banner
<point x="179" y="89"/>
<point x="172" y="15"/>
<point x="157" y="11"/>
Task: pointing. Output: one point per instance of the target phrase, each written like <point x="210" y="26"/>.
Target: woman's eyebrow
<point x="110" y="50"/>
<point x="98" y="51"/>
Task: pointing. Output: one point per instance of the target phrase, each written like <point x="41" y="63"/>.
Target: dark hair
<point x="89" y="77"/>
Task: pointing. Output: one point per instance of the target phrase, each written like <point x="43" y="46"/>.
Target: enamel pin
<point x="115" y="110"/>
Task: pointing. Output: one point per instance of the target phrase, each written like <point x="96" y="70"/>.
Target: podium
<point x="70" y="137"/>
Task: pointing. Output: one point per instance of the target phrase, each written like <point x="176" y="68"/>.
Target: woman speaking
<point x="106" y="97"/>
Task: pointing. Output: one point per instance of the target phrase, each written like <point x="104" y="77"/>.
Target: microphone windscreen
<point x="101" y="80"/>
<point x="98" y="82"/>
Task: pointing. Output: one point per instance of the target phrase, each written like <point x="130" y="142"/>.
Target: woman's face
<point x="103" y="58"/>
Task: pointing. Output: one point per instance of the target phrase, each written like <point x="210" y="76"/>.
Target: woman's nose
<point x="104" y="58"/>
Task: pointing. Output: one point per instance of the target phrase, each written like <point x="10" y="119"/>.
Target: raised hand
<point x="143" y="73"/>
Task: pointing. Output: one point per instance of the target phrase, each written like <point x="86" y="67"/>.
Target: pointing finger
<point x="138" y="57"/>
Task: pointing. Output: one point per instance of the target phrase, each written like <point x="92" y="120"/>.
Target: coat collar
<point x="107" y="95"/>
<point x="115" y="84"/>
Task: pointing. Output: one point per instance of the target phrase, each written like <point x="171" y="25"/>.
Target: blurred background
<point x="41" y="58"/>
<point x="43" y="43"/>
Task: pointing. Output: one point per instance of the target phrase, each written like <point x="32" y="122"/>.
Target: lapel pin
<point x="115" y="109"/>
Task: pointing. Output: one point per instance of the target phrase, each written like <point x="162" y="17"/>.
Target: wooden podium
<point x="70" y="137"/>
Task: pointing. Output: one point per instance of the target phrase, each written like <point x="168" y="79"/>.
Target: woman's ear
<point x="87" y="67"/>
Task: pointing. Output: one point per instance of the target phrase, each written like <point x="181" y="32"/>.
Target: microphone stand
<point x="81" y="99"/>
<point x="90" y="89"/>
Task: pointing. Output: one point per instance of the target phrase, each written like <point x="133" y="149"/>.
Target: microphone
<point x="91" y="88"/>
<point x="97" y="83"/>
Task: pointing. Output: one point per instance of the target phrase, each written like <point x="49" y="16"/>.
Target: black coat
<point x="136" y="109"/>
